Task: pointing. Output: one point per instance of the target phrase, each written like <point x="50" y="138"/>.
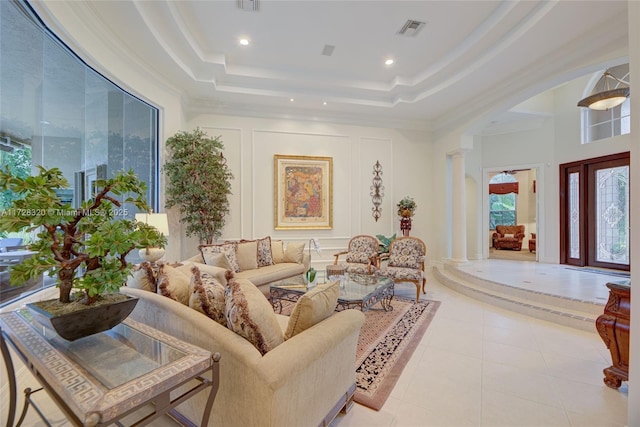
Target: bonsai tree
<point x="406" y="207"/>
<point x="94" y="239"/>
<point x="199" y="183"/>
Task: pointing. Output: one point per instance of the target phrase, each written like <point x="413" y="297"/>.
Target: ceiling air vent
<point x="327" y="50"/>
<point x="411" y="28"/>
<point x="251" y="5"/>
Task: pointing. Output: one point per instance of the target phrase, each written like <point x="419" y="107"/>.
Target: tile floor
<point x="479" y="365"/>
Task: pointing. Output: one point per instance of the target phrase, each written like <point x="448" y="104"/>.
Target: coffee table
<point x="356" y="291"/>
<point x="101" y="378"/>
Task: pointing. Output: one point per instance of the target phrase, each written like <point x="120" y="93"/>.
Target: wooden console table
<point x="101" y="378"/>
<point x="613" y="327"/>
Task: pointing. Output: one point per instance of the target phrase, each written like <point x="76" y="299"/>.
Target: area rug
<point x="386" y="342"/>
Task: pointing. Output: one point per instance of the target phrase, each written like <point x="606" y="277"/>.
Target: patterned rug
<point x="387" y="341"/>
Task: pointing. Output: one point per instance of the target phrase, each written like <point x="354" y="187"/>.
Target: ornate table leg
<point x="11" y="375"/>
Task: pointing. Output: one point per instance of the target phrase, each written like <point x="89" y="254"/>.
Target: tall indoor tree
<point x="199" y="183"/>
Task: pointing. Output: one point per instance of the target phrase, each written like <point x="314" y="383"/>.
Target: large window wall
<point x="55" y="111"/>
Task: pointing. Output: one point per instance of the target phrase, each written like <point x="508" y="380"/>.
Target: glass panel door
<point x="594" y="212"/>
<point x="611" y="217"/>
<point x="574" y="215"/>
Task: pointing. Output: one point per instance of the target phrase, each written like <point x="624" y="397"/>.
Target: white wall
<point x="250" y="146"/>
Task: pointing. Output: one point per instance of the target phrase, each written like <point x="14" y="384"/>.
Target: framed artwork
<point x="303" y="192"/>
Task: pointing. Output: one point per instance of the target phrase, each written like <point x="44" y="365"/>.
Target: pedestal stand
<point x="405" y="226"/>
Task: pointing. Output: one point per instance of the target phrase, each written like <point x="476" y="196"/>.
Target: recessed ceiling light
<point x="389" y="62"/>
<point x="291" y="99"/>
<point x="324" y="103"/>
<point x="244" y="42"/>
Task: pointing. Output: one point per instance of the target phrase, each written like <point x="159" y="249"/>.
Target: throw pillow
<point x="265" y="257"/>
<point x="207" y="296"/>
<point x="313" y="307"/>
<point x="229" y="249"/>
<point x="294" y="252"/>
<point x="219" y="260"/>
<point x="247" y="252"/>
<point x="218" y="272"/>
<point x="277" y="251"/>
<point x="143" y="277"/>
<point x="250" y="315"/>
<point x="509" y="235"/>
<point x="173" y="283"/>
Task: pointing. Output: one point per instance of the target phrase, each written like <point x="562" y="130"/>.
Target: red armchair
<point x="508" y="237"/>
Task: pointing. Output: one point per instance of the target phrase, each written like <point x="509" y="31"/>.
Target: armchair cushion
<point x="361" y="255"/>
<point x="406" y="254"/>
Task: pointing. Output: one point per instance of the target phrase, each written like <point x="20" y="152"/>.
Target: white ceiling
<point x="471" y="57"/>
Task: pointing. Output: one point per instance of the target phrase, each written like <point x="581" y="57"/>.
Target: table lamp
<point x="159" y="222"/>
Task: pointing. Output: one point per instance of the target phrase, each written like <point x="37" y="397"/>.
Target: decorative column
<point x="458" y="207"/>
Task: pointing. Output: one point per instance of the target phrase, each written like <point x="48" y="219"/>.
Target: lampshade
<point x="607" y="98"/>
<point x="159" y="222"/>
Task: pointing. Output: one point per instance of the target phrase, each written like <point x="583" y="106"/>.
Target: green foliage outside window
<point x="502" y="210"/>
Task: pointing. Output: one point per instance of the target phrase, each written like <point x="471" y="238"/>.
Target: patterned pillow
<point x="207" y="296"/>
<point x="143" y="277"/>
<point x="173" y="283"/>
<point x="313" y="307"/>
<point x="250" y="315"/>
<point x="229" y="249"/>
<point x="360" y="251"/>
<point x="265" y="257"/>
<point x="406" y="253"/>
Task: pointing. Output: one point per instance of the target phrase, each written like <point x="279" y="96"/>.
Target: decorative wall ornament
<point x="377" y="191"/>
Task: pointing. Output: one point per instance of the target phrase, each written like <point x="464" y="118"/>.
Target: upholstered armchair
<point x="361" y="255"/>
<point x="508" y="237"/>
<point x="532" y="243"/>
<point x="405" y="262"/>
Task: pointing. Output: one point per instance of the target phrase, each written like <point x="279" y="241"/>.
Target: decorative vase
<point x="310" y="277"/>
<point x="406" y="213"/>
<point x="89" y="321"/>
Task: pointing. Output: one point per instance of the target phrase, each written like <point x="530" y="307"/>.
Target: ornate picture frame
<point x="303" y="192"/>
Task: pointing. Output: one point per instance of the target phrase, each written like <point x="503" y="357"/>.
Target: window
<point x="503" y="189"/>
<point x="55" y="111"/>
<point x="598" y="125"/>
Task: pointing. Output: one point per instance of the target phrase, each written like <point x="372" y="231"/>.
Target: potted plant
<point x="406" y="207"/>
<point x="198" y="181"/>
<point x="385" y="243"/>
<point x="84" y="247"/>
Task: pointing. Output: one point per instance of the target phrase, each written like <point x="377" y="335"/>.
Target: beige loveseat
<point x="304" y="381"/>
<point x="287" y="263"/>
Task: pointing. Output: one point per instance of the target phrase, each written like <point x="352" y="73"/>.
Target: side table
<point x="99" y="379"/>
<point x="613" y="327"/>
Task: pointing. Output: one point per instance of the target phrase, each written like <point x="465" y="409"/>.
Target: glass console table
<point x="99" y="379"/>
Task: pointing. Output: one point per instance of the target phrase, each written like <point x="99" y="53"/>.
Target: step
<point x="557" y="309"/>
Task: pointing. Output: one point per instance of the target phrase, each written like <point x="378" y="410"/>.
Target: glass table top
<point x="353" y="287"/>
<point x="137" y="353"/>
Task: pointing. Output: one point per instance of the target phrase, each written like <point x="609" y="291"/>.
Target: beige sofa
<point x="289" y="264"/>
<point x="305" y="381"/>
